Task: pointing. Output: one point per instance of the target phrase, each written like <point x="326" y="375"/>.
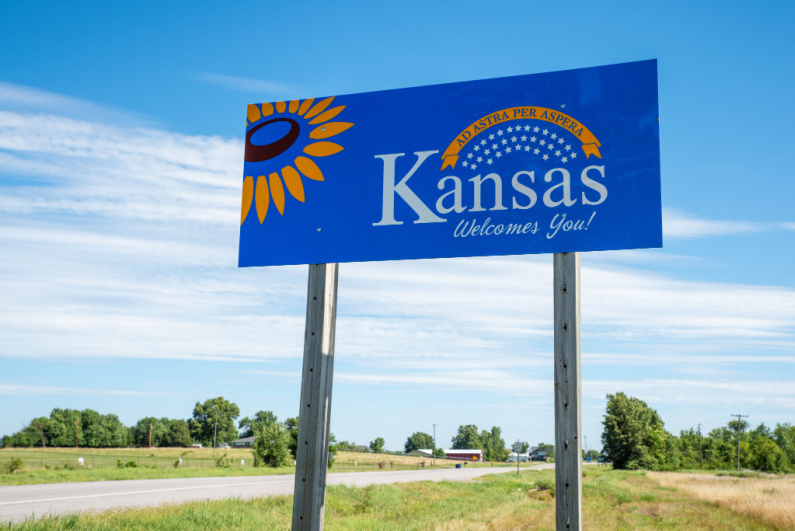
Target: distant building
<point x="245" y="442"/>
<point x="537" y="455"/>
<point x="421" y="453"/>
<point x="464" y="455"/>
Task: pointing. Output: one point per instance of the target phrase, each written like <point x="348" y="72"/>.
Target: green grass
<point x="60" y="465"/>
<point x="612" y="500"/>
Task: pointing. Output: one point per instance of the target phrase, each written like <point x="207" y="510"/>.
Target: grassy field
<point x="769" y="499"/>
<point x="61" y="465"/>
<point x="612" y="500"/>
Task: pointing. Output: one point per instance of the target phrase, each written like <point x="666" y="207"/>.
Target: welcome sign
<point x="546" y="163"/>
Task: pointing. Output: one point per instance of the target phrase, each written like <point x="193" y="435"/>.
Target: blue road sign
<point x="557" y="162"/>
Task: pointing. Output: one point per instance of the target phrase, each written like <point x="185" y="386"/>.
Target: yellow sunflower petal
<point x="293" y="181"/>
<point x="248" y="197"/>
<point x="328" y="115"/>
<point x="305" y="106"/>
<point x="281" y="106"/>
<point x="322" y="149"/>
<point x="309" y="168"/>
<point x="253" y="113"/>
<point x="330" y="129"/>
<point x="293" y="106"/>
<point x="320" y="107"/>
<point x="267" y="109"/>
<point x="277" y="189"/>
<point x="262" y="198"/>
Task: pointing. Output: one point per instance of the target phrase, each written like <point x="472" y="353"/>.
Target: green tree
<point x="140" y="432"/>
<point x="634" y="436"/>
<point x="178" y="434"/>
<point x="418" y="441"/>
<point x="377" y="445"/>
<point x="493" y="445"/>
<point x="271" y="446"/>
<point x="250" y="426"/>
<point x="207" y="414"/>
<point x="525" y="447"/>
<point x="467" y="438"/>
<point x="291" y="425"/>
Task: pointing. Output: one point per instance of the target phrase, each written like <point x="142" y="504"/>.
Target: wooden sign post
<point x="568" y="420"/>
<point x="311" y="458"/>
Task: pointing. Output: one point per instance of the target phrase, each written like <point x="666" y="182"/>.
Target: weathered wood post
<point x="315" y="408"/>
<point x="568" y="421"/>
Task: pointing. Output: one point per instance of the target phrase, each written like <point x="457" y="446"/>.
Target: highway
<point x="26" y="501"/>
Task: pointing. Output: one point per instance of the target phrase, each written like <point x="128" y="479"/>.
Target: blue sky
<point x="121" y="155"/>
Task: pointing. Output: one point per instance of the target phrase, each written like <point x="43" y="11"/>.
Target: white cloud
<point x="22" y="98"/>
<point x="680" y="225"/>
<point x="123" y="241"/>
<point x="245" y="84"/>
<point x="16" y="389"/>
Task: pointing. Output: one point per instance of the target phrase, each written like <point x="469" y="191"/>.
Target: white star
<point x="491" y="137"/>
<point x="568" y="147"/>
<point x="465" y="164"/>
<point x="473" y="166"/>
<point x="477" y="148"/>
<point x="494" y="146"/>
<point x="487" y="151"/>
<point x="546" y="131"/>
<point x="504" y="141"/>
<point x="564" y="159"/>
<point x="527" y="128"/>
<point x="535" y="129"/>
<point x="527" y="148"/>
<point x="499" y="132"/>
<point x="546" y="156"/>
<point x="560" y="141"/>
<point x="489" y="161"/>
<point x="508" y="149"/>
<point x="510" y="129"/>
<point x="480" y="159"/>
<point x="557" y="153"/>
<point x="483" y="142"/>
<point x="550" y="145"/>
<point x="470" y="156"/>
<point x="554" y="135"/>
<point x="498" y="154"/>
<point x="535" y="151"/>
<point x="543" y="142"/>
<point x="574" y="155"/>
<point x="513" y="139"/>
<point x="524" y="137"/>
<point x="532" y="139"/>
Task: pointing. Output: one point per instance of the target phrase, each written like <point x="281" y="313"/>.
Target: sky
<point x="121" y="165"/>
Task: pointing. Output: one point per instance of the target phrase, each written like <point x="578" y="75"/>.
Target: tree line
<point x="634" y="437"/>
<point x="213" y="420"/>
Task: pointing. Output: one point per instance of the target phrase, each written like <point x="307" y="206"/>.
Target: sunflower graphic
<point x="306" y="123"/>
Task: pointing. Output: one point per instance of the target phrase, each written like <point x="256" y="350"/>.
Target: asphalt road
<point x="28" y="501"/>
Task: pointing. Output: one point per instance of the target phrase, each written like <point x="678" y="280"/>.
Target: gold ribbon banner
<point x="590" y="145"/>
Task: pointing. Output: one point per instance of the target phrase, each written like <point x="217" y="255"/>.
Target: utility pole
<point x="215" y="438"/>
<point x="739" y="429"/>
<point x="700" y="453"/>
<point x="77" y="433"/>
<point x="434" y="445"/>
<point x="150" y="435"/>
